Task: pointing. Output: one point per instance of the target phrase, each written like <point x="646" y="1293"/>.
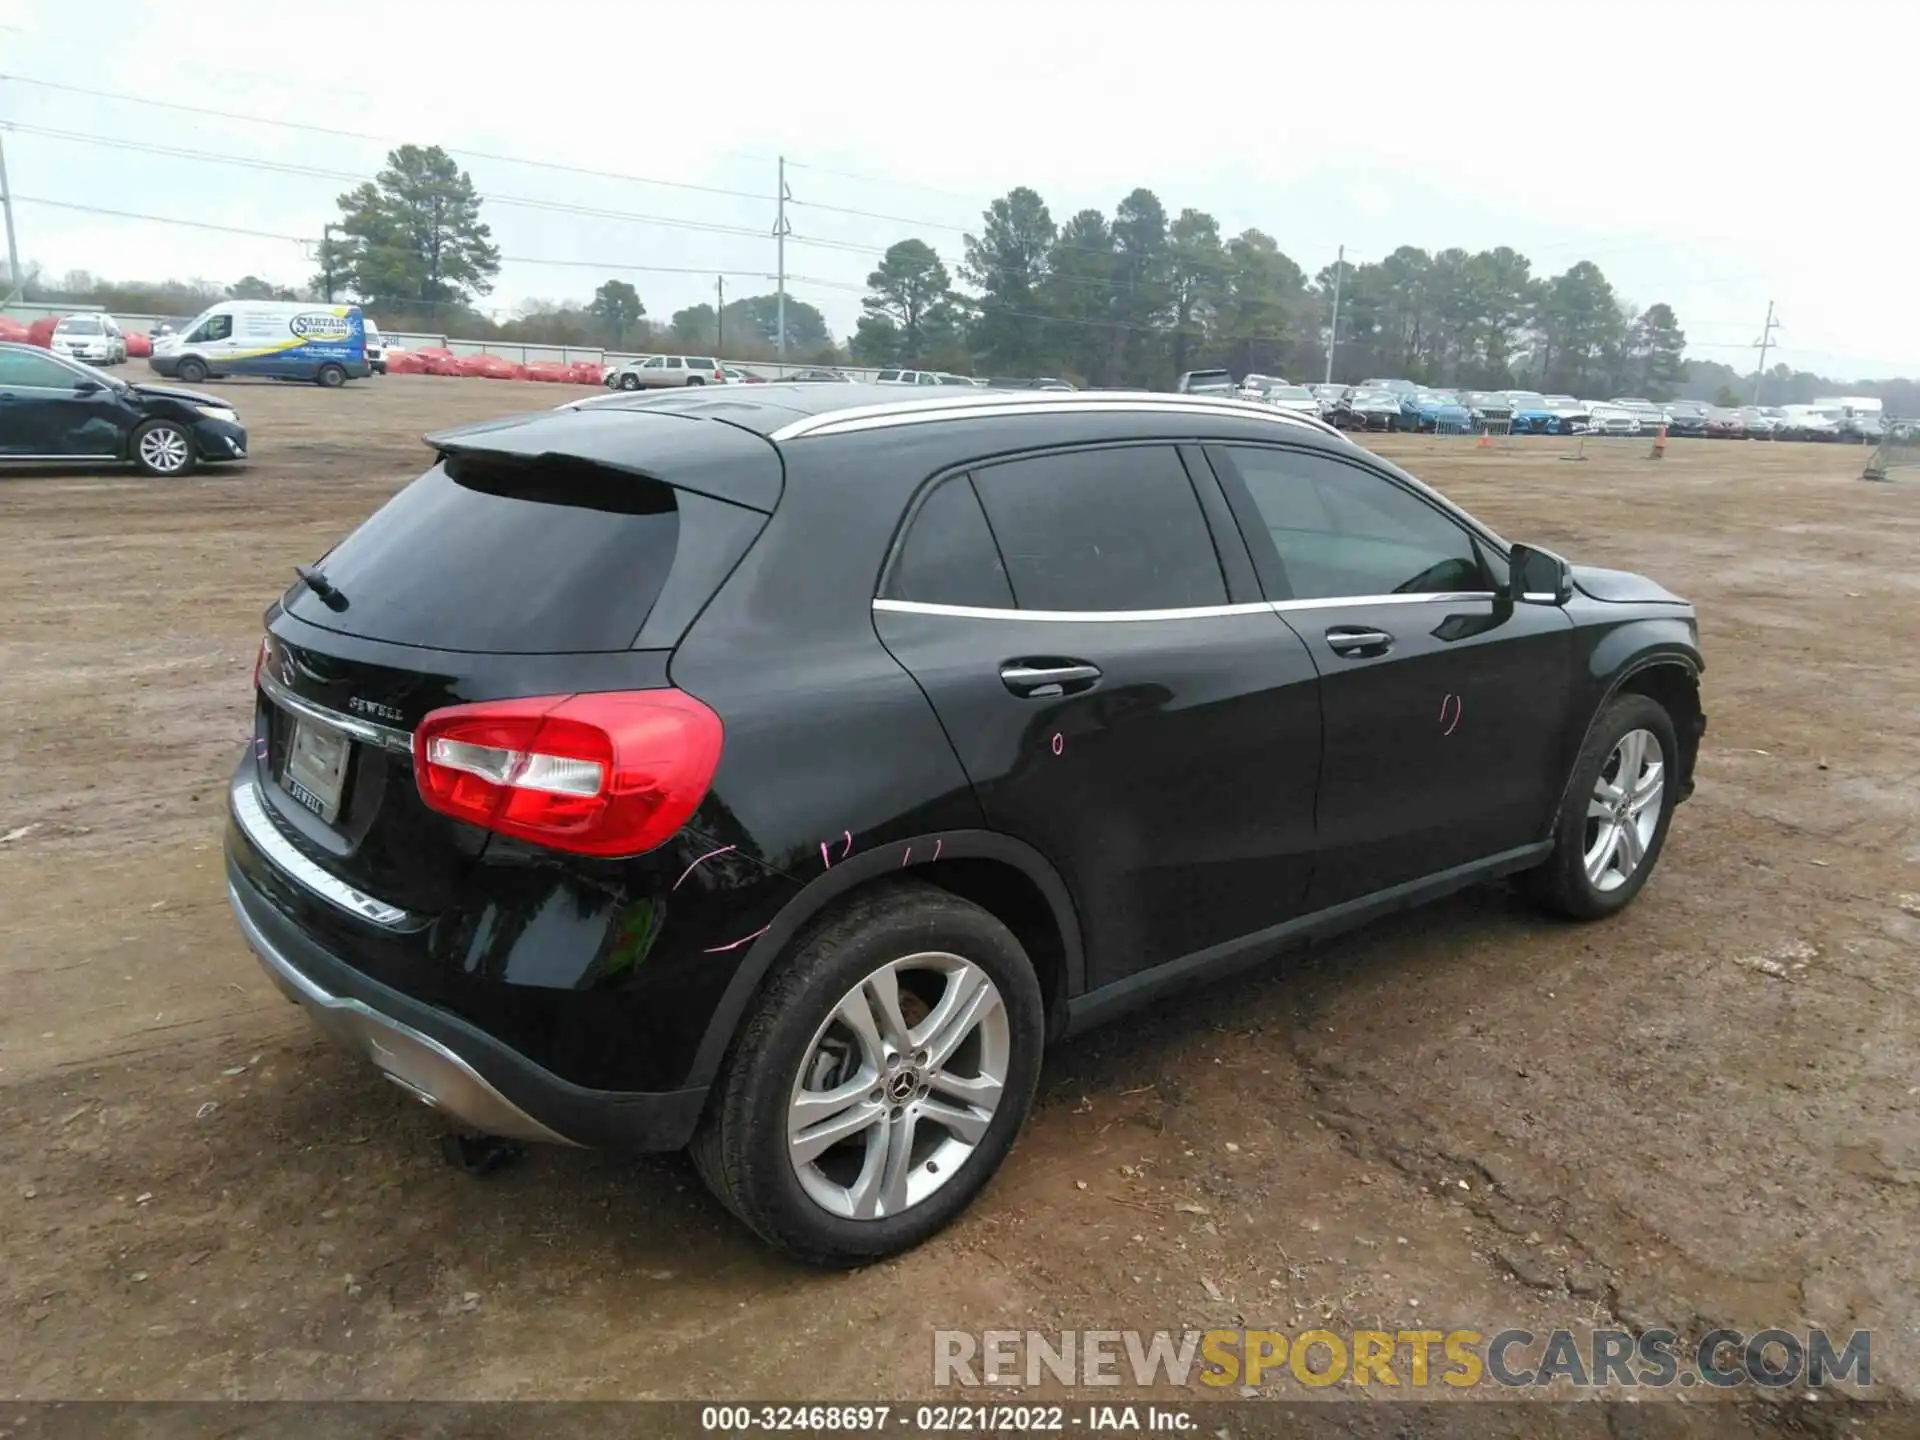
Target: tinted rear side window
<point x="1102" y="530"/>
<point x="519" y="558"/>
<point x="948" y="556"/>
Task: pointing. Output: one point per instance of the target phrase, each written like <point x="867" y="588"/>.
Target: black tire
<point x="695" y="380"/>
<point x="330" y="377"/>
<point x="162" y="438"/>
<point x="1561" y="885"/>
<point x="741" y="1147"/>
<point x="629" y="382"/>
<point x="192" y="370"/>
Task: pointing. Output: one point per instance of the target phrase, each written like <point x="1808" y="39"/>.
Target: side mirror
<point x="87" y="387"/>
<point x="1539" y="577"/>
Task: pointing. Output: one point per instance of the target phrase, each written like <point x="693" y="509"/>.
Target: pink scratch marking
<point x="825" y="859"/>
<point x="1059" y="742"/>
<point x="1453" y="724"/>
<point x="904" y="859"/>
<point x="847" y="849"/>
<point x="260" y="748"/>
<point x="743" y="940"/>
<point x="724" y="849"/>
<point x="936" y="848"/>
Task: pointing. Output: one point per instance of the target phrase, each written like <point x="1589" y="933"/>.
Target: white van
<point x="376" y="347"/>
<point x="282" y="339"/>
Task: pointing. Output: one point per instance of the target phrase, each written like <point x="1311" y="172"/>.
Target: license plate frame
<point x="315" y="772"/>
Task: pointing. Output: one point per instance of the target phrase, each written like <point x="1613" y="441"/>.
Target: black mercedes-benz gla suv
<point x="775" y="772"/>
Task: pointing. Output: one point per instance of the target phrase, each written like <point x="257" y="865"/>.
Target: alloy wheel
<point x="164" y="450"/>
<point x="898" y="1086"/>
<point x="1624" y="810"/>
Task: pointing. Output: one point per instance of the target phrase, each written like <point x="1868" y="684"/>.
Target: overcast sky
<point x="1712" y="156"/>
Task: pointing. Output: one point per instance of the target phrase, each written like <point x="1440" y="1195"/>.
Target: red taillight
<point x="597" y="774"/>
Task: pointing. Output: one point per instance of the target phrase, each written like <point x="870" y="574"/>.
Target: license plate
<point x="316" y="768"/>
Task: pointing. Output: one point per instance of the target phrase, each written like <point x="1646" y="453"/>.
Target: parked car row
<point x="1404" y="405"/>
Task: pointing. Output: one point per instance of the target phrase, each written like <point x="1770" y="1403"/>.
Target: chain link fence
<point x="1898" y="450"/>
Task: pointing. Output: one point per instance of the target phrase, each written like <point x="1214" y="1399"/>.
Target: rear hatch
<point x="550" y="555"/>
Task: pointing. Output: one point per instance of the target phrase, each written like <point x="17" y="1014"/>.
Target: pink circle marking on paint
<point x="1059" y="743"/>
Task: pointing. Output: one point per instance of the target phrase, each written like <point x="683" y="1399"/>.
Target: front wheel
<point x="192" y="370"/>
<point x="331" y="377"/>
<point x="879" y="1080"/>
<point x="629" y="382"/>
<point x="163" y="448"/>
<point x="1613" y="819"/>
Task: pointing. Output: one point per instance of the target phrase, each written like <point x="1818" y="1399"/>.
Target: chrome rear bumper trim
<point x="250" y="813"/>
<point x="417" y="1063"/>
<point x="400" y="742"/>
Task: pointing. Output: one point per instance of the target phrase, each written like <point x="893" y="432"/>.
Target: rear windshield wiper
<point x="328" y="592"/>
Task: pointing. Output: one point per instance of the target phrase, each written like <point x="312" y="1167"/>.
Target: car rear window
<point x="544" y="557"/>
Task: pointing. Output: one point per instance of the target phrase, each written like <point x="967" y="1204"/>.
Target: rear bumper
<point x="444" y="1061"/>
<point x="413" y="1060"/>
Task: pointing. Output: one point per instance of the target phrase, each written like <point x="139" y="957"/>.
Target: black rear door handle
<point x="1354" y="642"/>
<point x="1042" y="679"/>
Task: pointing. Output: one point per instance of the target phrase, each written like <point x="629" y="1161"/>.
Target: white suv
<point x="94" y="337"/>
<point x="659" y="372"/>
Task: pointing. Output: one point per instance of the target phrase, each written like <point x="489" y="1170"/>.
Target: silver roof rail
<point x="1000" y="405"/>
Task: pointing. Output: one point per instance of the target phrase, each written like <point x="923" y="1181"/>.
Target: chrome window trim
<point x="996" y="405"/>
<point x="398" y="741"/>
<point x="1333" y="602"/>
<point x="981" y="612"/>
<point x="250" y="813"/>
<point x="1193" y="612"/>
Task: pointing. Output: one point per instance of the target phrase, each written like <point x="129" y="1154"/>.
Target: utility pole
<point x="1333" y="331"/>
<point x="720" y="311"/>
<point x="1765" y="343"/>
<point x="780" y="232"/>
<point x="13" y="291"/>
<point x="326" y="259"/>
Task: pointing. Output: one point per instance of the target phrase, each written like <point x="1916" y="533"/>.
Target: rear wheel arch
<point x="1006" y="877"/>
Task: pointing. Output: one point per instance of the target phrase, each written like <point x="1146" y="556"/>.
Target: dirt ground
<point x="1703" y="1111"/>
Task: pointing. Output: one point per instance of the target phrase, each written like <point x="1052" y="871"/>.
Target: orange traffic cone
<point x="1485" y="442"/>
<point x="1659" y="444"/>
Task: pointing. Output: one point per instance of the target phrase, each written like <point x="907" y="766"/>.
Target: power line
<point x="293" y="168"/>
<point x="287" y="167"/>
<point x="523" y="202"/>
<point x="881" y="180"/>
<point x="1635" y="243"/>
<point x="309" y="128"/>
<point x="394" y="249"/>
<point x="984" y="306"/>
<point x="558" y="207"/>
